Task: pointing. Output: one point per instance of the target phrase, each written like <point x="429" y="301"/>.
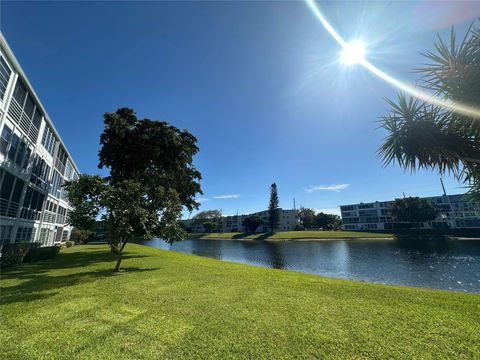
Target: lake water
<point x="451" y="265"/>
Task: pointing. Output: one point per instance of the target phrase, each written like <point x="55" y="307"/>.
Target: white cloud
<point x="336" y="188"/>
<point x="227" y="196"/>
<point x="201" y="200"/>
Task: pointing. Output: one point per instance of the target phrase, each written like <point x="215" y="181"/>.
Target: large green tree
<point x="421" y="135"/>
<point x="252" y="222"/>
<point x="413" y="210"/>
<point x="306" y="217"/>
<point x="207" y="215"/>
<point x="152" y="178"/>
<point x="327" y="221"/>
<point x="273" y="209"/>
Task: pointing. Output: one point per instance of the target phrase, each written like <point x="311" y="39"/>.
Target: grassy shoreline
<point x="294" y="235"/>
<point x="172" y="305"/>
<point x="326" y="236"/>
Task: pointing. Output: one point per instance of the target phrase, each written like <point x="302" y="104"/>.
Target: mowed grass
<point x="178" y="306"/>
<point x="293" y="235"/>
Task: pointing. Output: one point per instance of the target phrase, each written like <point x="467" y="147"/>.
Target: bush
<point x="41" y="253"/>
<point x="69" y="243"/>
<point x="14" y="254"/>
<point x="80" y="236"/>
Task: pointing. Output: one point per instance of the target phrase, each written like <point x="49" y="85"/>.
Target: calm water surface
<point x="452" y="265"/>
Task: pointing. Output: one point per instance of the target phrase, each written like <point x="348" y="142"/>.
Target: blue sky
<point x="259" y="83"/>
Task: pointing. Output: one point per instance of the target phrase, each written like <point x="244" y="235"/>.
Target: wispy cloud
<point x="202" y="199"/>
<point x="227" y="196"/>
<point x="336" y="188"/>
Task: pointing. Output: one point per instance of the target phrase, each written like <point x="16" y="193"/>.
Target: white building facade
<point x="287" y="222"/>
<point x="455" y="213"/>
<point x="34" y="162"/>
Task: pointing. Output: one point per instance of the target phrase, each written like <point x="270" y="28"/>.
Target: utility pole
<point x="294" y="205"/>
<point x="443" y="187"/>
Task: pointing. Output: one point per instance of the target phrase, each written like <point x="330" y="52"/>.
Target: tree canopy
<point x="413" y="210"/>
<point x="310" y="219"/>
<point x="421" y="135"/>
<point x="152" y="178"/>
<point x="252" y="222"/>
<point x="208" y="215"/>
<point x="273" y="209"/>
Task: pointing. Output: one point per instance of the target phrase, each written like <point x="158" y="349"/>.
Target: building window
<point x="56" y="184"/>
<point x="5" y="234"/>
<point x="25" y="234"/>
<point x="5" y="139"/>
<point x="5" y="73"/>
<point x="40" y="173"/>
<point x="32" y="204"/>
<point x="69" y="171"/>
<point x="61" y="160"/>
<point x="24" y="111"/>
<point x="48" y="140"/>
<point x="11" y="191"/>
<point x="61" y="215"/>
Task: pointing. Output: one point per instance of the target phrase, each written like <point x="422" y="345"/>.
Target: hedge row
<point x="18" y="253"/>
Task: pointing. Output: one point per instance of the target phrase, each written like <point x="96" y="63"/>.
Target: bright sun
<point x="353" y="52"/>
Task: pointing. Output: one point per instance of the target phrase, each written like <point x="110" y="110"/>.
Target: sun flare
<point x="353" y="52"/>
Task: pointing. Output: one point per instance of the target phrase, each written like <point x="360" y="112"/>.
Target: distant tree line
<point x="309" y="219"/>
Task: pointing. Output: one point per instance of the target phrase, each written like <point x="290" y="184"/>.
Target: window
<point x="48" y="140"/>
<point x="50" y="212"/>
<point x="5" y="234"/>
<point x="20" y="93"/>
<point x="24" y="111"/>
<point x="11" y="190"/>
<point x="32" y="204"/>
<point x="40" y="173"/>
<point x="5" y="73"/>
<point x="25" y="234"/>
<point x="5" y="139"/>
<point x="61" y="216"/>
<point x="13" y="147"/>
<point x="365" y="206"/>
<point x="69" y="171"/>
<point x="56" y="184"/>
<point x="61" y="160"/>
<point x="27" y="159"/>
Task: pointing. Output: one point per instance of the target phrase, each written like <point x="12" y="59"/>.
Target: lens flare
<point x="355" y="54"/>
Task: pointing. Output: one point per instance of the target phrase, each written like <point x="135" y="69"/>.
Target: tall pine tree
<point x="273" y="209"/>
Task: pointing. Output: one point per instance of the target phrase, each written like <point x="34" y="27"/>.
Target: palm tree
<point x="421" y="135"/>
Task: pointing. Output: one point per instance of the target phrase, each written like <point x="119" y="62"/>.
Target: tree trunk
<point x="119" y="257"/>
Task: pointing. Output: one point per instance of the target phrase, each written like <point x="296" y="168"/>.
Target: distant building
<point x="455" y="213"/>
<point x="234" y="223"/>
<point x="34" y="162"/>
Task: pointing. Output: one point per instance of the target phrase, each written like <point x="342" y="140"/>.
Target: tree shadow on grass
<point x="42" y="286"/>
<point x="37" y="281"/>
<point x="259" y="236"/>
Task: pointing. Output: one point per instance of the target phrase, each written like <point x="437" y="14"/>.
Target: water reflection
<point x="436" y="263"/>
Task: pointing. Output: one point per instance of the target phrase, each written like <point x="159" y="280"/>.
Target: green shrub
<point x="41" y="253"/>
<point x="14" y="254"/>
<point x="80" y="236"/>
<point x="69" y="244"/>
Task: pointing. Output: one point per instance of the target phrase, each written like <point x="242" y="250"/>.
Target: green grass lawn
<point x="295" y="235"/>
<point x="178" y="306"/>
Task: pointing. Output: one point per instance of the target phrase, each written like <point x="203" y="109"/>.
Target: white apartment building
<point x="455" y="213"/>
<point x="287" y="222"/>
<point x="34" y="162"/>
